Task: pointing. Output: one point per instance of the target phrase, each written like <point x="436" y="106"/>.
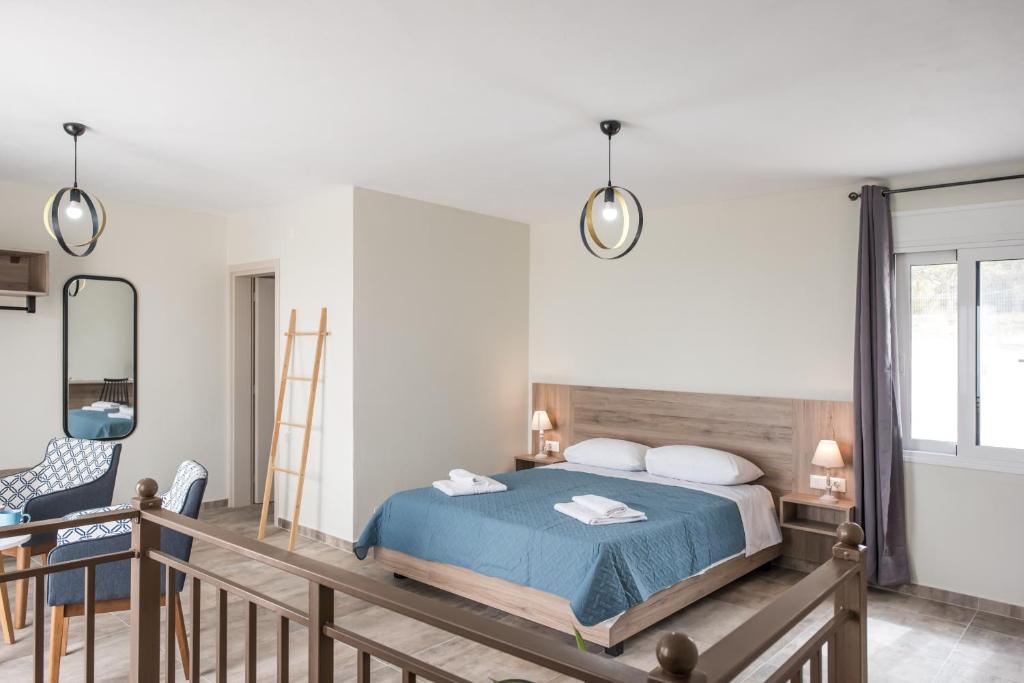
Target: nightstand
<point x="807" y="512"/>
<point x="809" y="528"/>
<point x="526" y="462"/>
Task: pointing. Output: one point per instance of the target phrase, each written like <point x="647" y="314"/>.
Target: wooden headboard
<point x="777" y="434"/>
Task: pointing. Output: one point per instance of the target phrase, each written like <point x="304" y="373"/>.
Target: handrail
<point x="551" y="654"/>
<point x="48" y="525"/>
<point x="44" y="570"/>
<point x="723" y="661"/>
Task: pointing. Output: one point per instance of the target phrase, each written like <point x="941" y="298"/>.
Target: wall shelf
<point x="24" y="274"/>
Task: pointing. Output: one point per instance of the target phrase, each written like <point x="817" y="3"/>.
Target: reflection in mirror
<point x="99" y="357"/>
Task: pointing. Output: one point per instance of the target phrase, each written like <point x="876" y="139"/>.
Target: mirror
<point x="100" y="353"/>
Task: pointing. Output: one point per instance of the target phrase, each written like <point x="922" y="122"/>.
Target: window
<point x="960" y="330"/>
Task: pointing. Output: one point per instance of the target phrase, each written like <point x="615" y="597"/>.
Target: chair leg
<point x="23" y="559"/>
<point x="5" y="609"/>
<point x="56" y="638"/>
<point x="179" y="631"/>
<point x="64" y="638"/>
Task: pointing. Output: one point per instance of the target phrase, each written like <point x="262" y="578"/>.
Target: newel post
<point x="677" y="659"/>
<point x="145" y="595"/>
<point x="852" y="594"/>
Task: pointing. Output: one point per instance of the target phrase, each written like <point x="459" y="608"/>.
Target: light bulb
<point x="610" y="212"/>
<point x="74" y="210"/>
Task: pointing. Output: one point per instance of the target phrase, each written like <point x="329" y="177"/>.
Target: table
<point x="5" y="605"/>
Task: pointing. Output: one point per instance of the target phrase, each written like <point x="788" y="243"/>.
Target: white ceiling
<point x="493" y="106"/>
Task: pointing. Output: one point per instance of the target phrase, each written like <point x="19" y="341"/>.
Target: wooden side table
<point x="808" y="513"/>
<point x="5" y="605"/>
<point x="527" y="462"/>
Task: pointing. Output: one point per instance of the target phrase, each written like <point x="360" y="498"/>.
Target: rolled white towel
<point x="605" y="507"/>
<point x="587" y="516"/>
<point x="464" y="488"/>
<point x="460" y="475"/>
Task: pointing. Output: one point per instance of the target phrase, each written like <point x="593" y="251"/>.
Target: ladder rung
<point x="299" y="379"/>
<point x="305" y="334"/>
<point x="286" y="470"/>
<point x="292" y="424"/>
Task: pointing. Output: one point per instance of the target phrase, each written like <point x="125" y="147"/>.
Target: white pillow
<point x="615" y="454"/>
<point x="701" y="465"/>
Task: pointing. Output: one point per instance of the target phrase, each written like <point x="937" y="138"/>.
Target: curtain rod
<point x="854" y="196"/>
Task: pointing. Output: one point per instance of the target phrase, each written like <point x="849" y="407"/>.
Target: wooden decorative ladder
<point x="286" y="377"/>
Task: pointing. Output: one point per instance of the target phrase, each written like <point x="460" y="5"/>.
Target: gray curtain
<point x="878" y="441"/>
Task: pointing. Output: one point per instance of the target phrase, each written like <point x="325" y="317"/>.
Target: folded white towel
<point x="605" y="507"/>
<point x="587" y="516"/>
<point x="464" y="488"/>
<point x="461" y="475"/>
<point x="97" y="409"/>
<point x="105" y="404"/>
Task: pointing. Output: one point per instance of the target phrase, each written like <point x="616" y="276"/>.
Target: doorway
<point x="254" y="358"/>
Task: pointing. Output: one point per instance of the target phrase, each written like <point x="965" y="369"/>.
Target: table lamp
<point x="827" y="455"/>
<point x="541" y="421"/>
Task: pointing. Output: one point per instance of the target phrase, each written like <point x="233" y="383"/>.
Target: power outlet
<point x="818" y="482"/>
<point x="551" y="446"/>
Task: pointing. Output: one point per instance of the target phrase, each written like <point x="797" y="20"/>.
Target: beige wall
<point x="756" y="296"/>
<point x="176" y="261"/>
<point x="311" y="237"/>
<point x="440" y="344"/>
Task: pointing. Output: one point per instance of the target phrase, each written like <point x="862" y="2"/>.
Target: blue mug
<point x="8" y="517"/>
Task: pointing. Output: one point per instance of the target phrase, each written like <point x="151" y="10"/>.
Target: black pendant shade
<point x="76" y="198"/>
<point x="615" y="211"/>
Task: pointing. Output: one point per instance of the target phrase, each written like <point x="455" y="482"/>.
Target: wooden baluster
<point x="282" y="650"/>
<point x="90" y="624"/>
<point x="169" y="603"/>
<point x="145" y="589"/>
<point x="832" y="674"/>
<point x="362" y="667"/>
<point x="197" y="599"/>
<point x="816" y="666"/>
<point x="408" y="676"/>
<point x="677" y="656"/>
<point x="321" y="646"/>
<point x="38" y="616"/>
<point x="852" y="594"/>
<point x="250" y="644"/>
<point x="222" y="636"/>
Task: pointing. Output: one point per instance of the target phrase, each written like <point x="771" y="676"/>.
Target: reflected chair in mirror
<point x="75" y="474"/>
<point x="115" y="390"/>
<point x="65" y="592"/>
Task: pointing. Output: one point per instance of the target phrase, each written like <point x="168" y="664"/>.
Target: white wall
<point x="757" y="297"/>
<point x="440" y="344"/>
<point x="176" y="261"/>
<point x="312" y="239"/>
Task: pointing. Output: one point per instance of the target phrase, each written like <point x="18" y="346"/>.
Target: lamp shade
<point x="827" y="454"/>
<point x="541" y="420"/>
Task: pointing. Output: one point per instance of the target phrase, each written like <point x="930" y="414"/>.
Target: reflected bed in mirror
<point x="100" y="354"/>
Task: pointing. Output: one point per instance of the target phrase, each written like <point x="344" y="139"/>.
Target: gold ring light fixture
<point x="615" y="215"/>
<point x="73" y="210"/>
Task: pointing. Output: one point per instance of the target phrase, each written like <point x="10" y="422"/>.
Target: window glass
<point x="1000" y="361"/>
<point x="933" y="352"/>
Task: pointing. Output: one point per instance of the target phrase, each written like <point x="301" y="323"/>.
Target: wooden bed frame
<point x="779" y="435"/>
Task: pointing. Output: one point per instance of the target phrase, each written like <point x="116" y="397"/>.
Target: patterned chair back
<point x="68" y="463"/>
<point x="175" y="498"/>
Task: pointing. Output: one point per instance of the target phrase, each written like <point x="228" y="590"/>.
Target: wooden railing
<point x="841" y="641"/>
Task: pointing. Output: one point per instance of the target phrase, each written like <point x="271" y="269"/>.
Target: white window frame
<point x="973" y="233"/>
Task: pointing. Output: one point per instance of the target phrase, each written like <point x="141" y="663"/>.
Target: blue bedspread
<point x="94" y="424"/>
<point x="518" y="536"/>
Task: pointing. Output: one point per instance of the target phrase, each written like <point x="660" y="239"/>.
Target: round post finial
<point x="146" y="488"/>
<point x="850" y="533"/>
<point x="677" y="654"/>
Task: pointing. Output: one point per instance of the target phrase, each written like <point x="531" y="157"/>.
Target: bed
<point x="520" y="556"/>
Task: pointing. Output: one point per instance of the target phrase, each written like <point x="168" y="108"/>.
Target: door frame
<point x="239" y="465"/>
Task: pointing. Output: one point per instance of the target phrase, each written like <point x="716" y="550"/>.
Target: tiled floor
<point x="910" y="639"/>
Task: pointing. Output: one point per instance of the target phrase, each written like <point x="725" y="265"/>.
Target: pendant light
<point x="614" y="211"/>
<point x="73" y="209"/>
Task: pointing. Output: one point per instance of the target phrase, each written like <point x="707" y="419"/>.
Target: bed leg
<point x="615" y="650"/>
<point x="399" y="577"/>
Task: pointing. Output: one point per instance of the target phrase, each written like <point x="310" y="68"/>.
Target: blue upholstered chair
<point x="75" y="474"/>
<point x="66" y="590"/>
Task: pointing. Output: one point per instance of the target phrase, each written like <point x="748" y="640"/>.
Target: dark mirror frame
<point x="135" y="353"/>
